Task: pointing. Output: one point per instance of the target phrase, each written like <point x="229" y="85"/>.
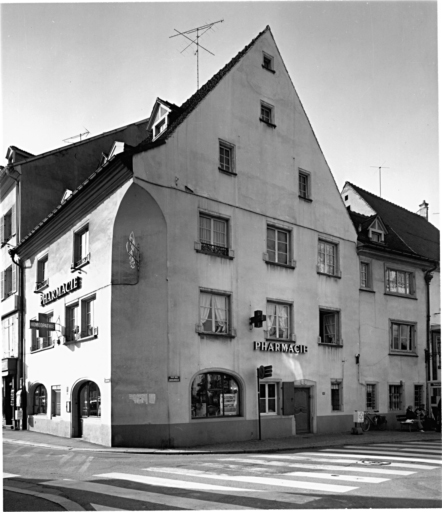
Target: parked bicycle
<point x="372" y="419"/>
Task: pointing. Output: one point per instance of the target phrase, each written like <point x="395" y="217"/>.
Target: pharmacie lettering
<point x="61" y="290"/>
<point x="274" y="346"/>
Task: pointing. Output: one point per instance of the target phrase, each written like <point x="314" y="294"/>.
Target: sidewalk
<point x="300" y="442"/>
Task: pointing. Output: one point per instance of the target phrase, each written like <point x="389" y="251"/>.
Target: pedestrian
<point x="411" y="415"/>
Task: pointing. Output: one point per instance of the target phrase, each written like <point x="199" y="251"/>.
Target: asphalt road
<point x="395" y="475"/>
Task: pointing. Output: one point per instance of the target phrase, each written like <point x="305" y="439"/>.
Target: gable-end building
<point x="158" y="263"/>
<point x="399" y="304"/>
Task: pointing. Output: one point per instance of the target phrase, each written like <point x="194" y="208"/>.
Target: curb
<point x="63" y="502"/>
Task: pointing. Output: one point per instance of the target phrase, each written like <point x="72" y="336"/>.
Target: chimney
<point x="423" y="209"/>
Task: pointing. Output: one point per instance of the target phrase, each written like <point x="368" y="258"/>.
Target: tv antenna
<point x="380" y="167"/>
<point x="200" y="31"/>
<point x="79" y="136"/>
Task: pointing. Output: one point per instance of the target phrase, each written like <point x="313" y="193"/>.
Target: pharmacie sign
<point x="61" y="290"/>
<point x="275" y="346"/>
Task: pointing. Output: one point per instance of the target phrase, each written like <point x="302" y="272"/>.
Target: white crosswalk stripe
<point x="410" y="447"/>
<point x="262" y="481"/>
<point x="377" y="449"/>
<point x="345" y="461"/>
<point x="9" y="475"/>
<point x="358" y="455"/>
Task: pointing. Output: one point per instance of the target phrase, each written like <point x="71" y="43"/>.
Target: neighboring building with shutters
<point x="399" y="304"/>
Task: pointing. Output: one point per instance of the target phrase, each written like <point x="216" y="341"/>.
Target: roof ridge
<point x="191" y="103"/>
<point x="386" y="200"/>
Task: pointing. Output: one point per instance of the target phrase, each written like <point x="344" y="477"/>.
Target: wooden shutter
<point x="3" y="275"/>
<point x="2" y="231"/>
<point x="288" y="398"/>
<point x="13" y="220"/>
<point x="14" y="278"/>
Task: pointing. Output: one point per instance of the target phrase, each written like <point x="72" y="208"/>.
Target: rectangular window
<point x="365" y="274"/>
<point x="72" y="323"/>
<point x="56" y="400"/>
<point x="267" y="61"/>
<point x="42" y="272"/>
<point x="8" y="227"/>
<point x="267" y="113"/>
<point x="9" y="281"/>
<point x="399" y="281"/>
<point x="336" y="395"/>
<point x="81" y="247"/>
<point x="402" y="337"/>
<point x="226" y="157"/>
<point x="304" y="185"/>
<point x="268" y="398"/>
<point x="418" y="395"/>
<point x="329" y="327"/>
<point x="213" y="232"/>
<point x="8" y="336"/>
<point x="395" y="398"/>
<point x="214" y="313"/>
<point x="371" y="396"/>
<point x="278" y="320"/>
<point x="88" y="317"/>
<point x="327" y="258"/>
<point x="277" y="246"/>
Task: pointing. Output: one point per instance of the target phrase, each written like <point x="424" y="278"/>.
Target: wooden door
<point x="302" y="410"/>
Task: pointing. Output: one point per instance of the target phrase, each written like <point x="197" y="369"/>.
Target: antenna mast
<point x="204" y="29"/>
<point x="380" y="167"/>
<point x="79" y="136"/>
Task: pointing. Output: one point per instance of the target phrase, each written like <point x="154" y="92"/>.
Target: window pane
<point x="282" y="247"/>
<point x="199" y="396"/>
<point x="219" y="232"/>
<point x="271" y="244"/>
<point x="205" y="230"/>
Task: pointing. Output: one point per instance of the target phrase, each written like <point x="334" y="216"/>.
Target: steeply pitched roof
<point x="189" y="105"/>
<point x="410" y="232"/>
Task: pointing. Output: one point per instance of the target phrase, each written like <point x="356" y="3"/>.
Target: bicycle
<point x="373" y="420"/>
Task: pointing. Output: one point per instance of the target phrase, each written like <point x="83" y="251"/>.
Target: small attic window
<point x="267" y="62"/>
<point x="376" y="231"/>
<point x="160" y="123"/>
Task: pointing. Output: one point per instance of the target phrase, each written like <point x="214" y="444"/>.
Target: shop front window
<point x="215" y="395"/>
<point x="90" y="400"/>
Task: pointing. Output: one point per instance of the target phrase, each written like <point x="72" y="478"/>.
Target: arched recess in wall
<point x="139" y="302"/>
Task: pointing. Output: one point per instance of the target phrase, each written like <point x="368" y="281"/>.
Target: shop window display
<point x="215" y="395"/>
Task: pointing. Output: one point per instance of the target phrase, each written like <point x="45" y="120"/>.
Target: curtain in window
<point x="271" y="319"/>
<point x="219" y="305"/>
<point x="282" y="247"/>
<point x="205" y="230"/>
<point x="219" y="233"/>
<point x="283" y="321"/>
<point x="271" y="244"/>
<point x="330" y="328"/>
<point x="205" y="310"/>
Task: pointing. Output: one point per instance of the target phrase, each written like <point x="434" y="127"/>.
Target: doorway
<point x="302" y="410"/>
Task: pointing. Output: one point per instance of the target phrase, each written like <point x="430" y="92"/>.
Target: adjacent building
<point x="399" y="304"/>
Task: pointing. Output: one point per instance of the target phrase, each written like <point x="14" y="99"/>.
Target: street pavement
<point x="377" y="469"/>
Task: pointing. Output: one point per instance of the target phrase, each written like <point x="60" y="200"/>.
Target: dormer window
<point x="376" y="231"/>
<point x="160" y="122"/>
<point x="267" y="62"/>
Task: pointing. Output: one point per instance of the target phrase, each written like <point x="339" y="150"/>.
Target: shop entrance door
<point x="302" y="410"/>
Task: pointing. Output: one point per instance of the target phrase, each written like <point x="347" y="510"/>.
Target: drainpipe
<point x="20" y="380"/>
<point x="428" y="276"/>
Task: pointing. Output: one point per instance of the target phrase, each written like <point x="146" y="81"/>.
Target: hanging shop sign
<point x="64" y="289"/>
<point x="276" y="346"/>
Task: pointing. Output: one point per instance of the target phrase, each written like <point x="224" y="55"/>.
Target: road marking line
<point x="63" y="502"/>
<point x="329" y="468"/>
<point x="145" y="496"/>
<point x="348" y="478"/>
<point x="362" y="455"/>
<point x="64" y="458"/>
<point x="85" y="465"/>
<point x="256" y="480"/>
<point x="167" y="482"/>
<point x="431" y="453"/>
<point x="102" y="507"/>
<point x="9" y="475"/>
<point x="408" y="447"/>
<point x="346" y="461"/>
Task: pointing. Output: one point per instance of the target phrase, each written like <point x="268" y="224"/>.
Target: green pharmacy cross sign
<point x="43" y="325"/>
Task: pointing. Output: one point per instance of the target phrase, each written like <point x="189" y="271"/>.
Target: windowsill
<point x="335" y="345"/>
<point x="81" y="265"/>
<point x="42" y="287"/>
<point x="370" y="290"/>
<point x="306" y="199"/>
<point x="283" y="265"/>
<point x="227" y="336"/>
<point x="42" y="349"/>
<point x="81" y="340"/>
<point x="280" y="340"/>
<point x="229" y="173"/>
<point x="267" y="123"/>
<point x="228" y="256"/>
<point x="268" y="69"/>
<point x="337" y="412"/>
<point x="269" y="415"/>
<point x="402" y="295"/>
<point x="216" y="418"/>
<point x="10" y="294"/>
<point x="402" y="353"/>
<point x="336" y="276"/>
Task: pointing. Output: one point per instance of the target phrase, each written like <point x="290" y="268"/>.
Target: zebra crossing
<point x="250" y="481"/>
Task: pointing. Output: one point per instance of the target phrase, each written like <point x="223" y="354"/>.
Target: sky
<point x="366" y="74"/>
